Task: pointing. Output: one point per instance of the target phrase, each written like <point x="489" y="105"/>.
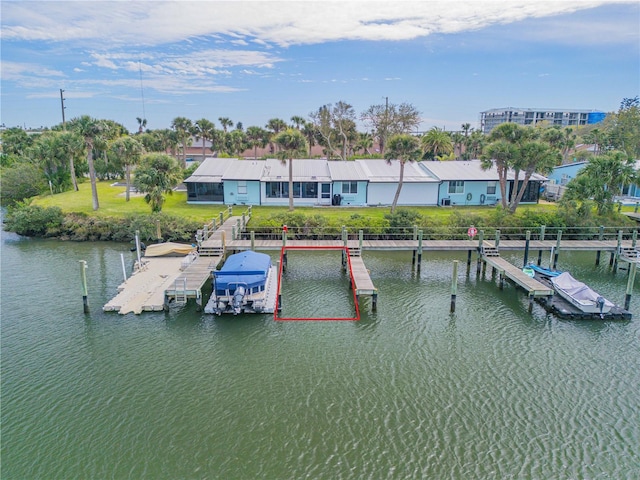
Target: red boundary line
<point x="353" y="287"/>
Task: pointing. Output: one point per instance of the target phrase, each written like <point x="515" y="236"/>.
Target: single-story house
<point x="358" y="183"/>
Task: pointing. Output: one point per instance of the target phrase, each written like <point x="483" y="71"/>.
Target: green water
<point x="410" y="391"/>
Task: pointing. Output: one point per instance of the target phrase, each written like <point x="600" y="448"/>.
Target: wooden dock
<point x="362" y="280"/>
<point x="532" y="286"/>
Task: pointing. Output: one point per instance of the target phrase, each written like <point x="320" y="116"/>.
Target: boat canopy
<point x="248" y="269"/>
<point x="169" y="249"/>
<point x="577" y="289"/>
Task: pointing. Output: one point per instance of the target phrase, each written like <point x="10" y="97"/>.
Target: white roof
<point x="346" y="171"/>
<point x="245" y="170"/>
<point x="304" y="170"/>
<point x="381" y="171"/>
<point x="211" y="170"/>
<point x="468" y="170"/>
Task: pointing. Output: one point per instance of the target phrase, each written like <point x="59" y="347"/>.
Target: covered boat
<point x="580" y="295"/>
<point x="169" y="249"/>
<point x="242" y="284"/>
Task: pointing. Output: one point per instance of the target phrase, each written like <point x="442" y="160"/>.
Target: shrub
<point x="34" y="221"/>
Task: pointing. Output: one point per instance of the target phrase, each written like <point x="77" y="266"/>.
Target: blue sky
<point x="252" y="61"/>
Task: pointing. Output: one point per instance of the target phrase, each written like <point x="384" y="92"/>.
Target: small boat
<point x="543" y="271"/>
<point x="580" y="295"/>
<point x="244" y="284"/>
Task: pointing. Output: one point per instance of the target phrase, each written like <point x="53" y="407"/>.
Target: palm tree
<point x="183" y="127"/>
<point x="365" y="142"/>
<point x="142" y="124"/>
<point x="205" y="130"/>
<point x="275" y="126"/>
<point x="297" y="122"/>
<point x="293" y="144"/>
<point x="310" y="132"/>
<point x="404" y="148"/>
<point x="157" y="175"/>
<point x="535" y="156"/>
<point x="502" y="154"/>
<point x="73" y="144"/>
<point x="257" y="137"/>
<point x="436" y="141"/>
<point x="128" y="150"/>
<point x="225" y="122"/>
<point x="91" y="130"/>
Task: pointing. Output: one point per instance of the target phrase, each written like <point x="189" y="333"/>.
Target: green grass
<point x="113" y="204"/>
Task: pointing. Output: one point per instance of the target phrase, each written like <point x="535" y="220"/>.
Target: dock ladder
<point x="488" y="251"/>
<point x="180" y="294"/>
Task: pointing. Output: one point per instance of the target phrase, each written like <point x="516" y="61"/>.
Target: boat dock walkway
<point x="362" y="279"/>
<point x="530" y="285"/>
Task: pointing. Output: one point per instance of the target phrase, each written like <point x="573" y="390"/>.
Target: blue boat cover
<point x="248" y="269"/>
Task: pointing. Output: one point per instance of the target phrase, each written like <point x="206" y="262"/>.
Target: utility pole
<point x="64" y="125"/>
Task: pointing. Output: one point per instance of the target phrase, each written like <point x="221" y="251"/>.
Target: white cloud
<point x="275" y="23"/>
<point x="17" y="71"/>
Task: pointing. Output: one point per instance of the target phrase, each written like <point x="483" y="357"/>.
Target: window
<point x="326" y="190"/>
<point x="242" y="187"/>
<point x="277" y="190"/>
<point x="456" y="186"/>
<point x="349" y="187"/>
<point x="491" y="188"/>
<point x="300" y="190"/>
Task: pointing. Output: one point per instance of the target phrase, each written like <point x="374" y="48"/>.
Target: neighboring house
<point x="418" y="187"/>
<point x="467" y="183"/>
<point x="562" y="174"/>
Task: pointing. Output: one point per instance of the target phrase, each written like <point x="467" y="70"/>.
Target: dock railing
<point x="315" y="232"/>
<point x="210" y="228"/>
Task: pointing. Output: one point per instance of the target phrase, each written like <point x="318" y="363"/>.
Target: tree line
<point x="85" y="147"/>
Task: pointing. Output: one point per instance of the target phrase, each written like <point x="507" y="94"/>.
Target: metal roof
<point x="244" y="170"/>
<point x="307" y="170"/>
<point x="381" y="171"/>
<point x="346" y="171"/>
<point x="468" y="170"/>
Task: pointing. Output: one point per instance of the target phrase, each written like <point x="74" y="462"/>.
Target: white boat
<point x="580" y="295"/>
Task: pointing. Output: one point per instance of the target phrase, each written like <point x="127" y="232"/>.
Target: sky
<point x="253" y="61"/>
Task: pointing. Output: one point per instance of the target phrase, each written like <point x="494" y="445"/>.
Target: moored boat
<point x="244" y="284"/>
<point x="580" y="295"/>
<point x="543" y="271"/>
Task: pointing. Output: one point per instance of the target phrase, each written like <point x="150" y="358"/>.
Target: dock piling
<point x="542" y="232"/>
<point x="124" y="270"/>
<point x="85" y="295"/>
<point x="454" y="286"/>
<point x="419" y="250"/>
<point x="555" y="255"/>
<point x="632" y="277"/>
<point x="526" y="248"/>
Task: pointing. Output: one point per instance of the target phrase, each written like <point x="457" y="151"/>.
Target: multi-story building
<point x="489" y="119"/>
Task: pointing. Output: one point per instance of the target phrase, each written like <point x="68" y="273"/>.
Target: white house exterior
<point x="418" y="186"/>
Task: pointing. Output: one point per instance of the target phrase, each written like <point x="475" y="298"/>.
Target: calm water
<point x="407" y="392"/>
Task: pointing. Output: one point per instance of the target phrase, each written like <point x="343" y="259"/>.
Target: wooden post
<point x="617" y="252"/>
<point x="138" y="249"/>
<point x="213" y="225"/>
<point x="454" y="286"/>
<point x="230" y="211"/>
<point x="284" y="237"/>
<point x="531" y="297"/>
<point x="233" y="232"/>
<point x="497" y="243"/>
<point x="634" y="238"/>
<point x="600" y="238"/>
<point x="555" y="255"/>
<point x="345" y="250"/>
<point x="630" y="280"/>
<point x="542" y="232"/>
<point x="501" y="279"/>
<point x="85" y="295"/>
<point x="635" y="210"/>
<point x="468" y="261"/>
<point x="221" y="218"/>
<point x="239" y="229"/>
<point x="223" y="238"/>
<point x="205" y="232"/>
<point x="158" y="232"/>
<point x="526" y="248"/>
<point x="419" y="250"/>
<point x="253" y="240"/>
<point x="374" y="301"/>
<point x="415" y="233"/>
<point x="480" y="241"/>
<point x="244" y="220"/>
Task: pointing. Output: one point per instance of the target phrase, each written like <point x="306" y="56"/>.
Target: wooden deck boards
<point x="361" y="277"/>
<point x="531" y="285"/>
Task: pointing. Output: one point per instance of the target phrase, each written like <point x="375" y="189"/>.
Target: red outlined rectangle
<point x="345" y="250"/>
